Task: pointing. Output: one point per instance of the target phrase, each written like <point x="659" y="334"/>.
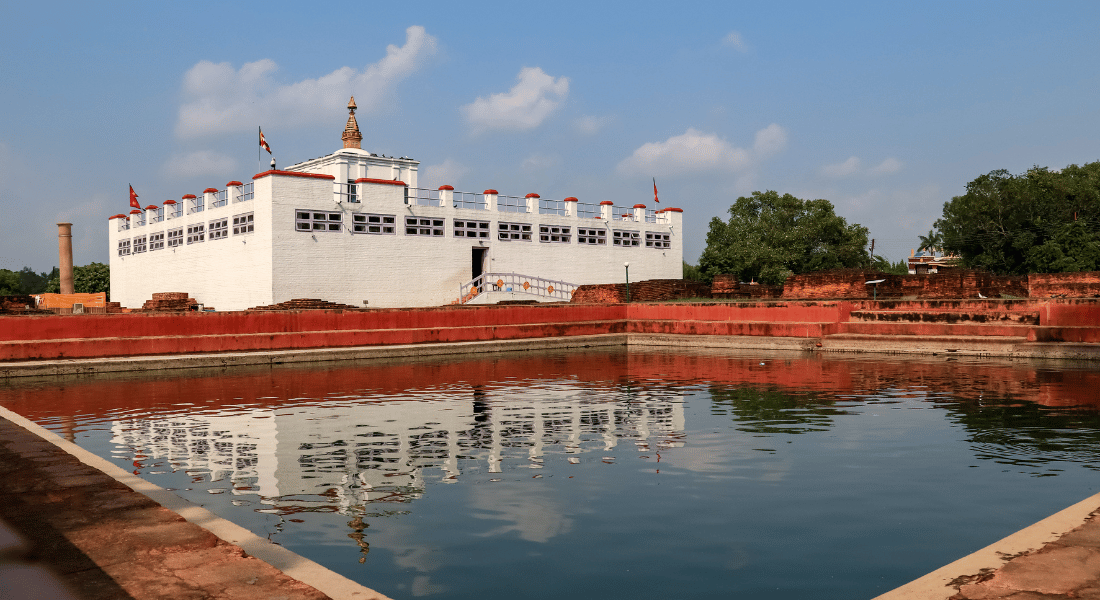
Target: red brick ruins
<point x="852" y="284"/>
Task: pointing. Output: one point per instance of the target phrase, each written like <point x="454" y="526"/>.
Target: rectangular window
<point x="471" y="229"/>
<point x="242" y="224"/>
<point x="156" y="241"/>
<point x="555" y="234"/>
<point x="514" y="232"/>
<point x="218" y="229"/>
<point x="592" y="237"/>
<point x="353" y="196"/>
<point x="314" y="220"/>
<point x="139" y="245"/>
<point x="175" y="237"/>
<point x="124" y="247"/>
<point x="423" y="226"/>
<point x="196" y="233"/>
<point x="654" y="239"/>
<point x="378" y="224"/>
<point x="626" y="238"/>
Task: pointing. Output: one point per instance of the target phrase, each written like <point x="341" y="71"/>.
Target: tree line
<point x="769" y="237"/>
<point x="89" y="279"/>
<point x="1041" y="221"/>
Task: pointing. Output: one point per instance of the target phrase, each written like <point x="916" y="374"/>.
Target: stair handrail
<point x="516" y="283"/>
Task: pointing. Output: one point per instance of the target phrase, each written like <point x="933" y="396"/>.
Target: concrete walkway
<point x="70" y="530"/>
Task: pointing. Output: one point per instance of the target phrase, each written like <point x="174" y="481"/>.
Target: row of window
<point x="318" y="221"/>
<point x="218" y="229"/>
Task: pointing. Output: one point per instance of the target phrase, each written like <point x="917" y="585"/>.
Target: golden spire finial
<point x="352" y="138"/>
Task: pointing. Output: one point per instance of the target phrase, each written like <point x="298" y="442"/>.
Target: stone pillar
<point x="639" y="213"/>
<point x="209" y="196"/>
<point x="607" y="209"/>
<point x="232" y="190"/>
<point x="491" y="199"/>
<point x="532" y="203"/>
<point x="446" y="195"/>
<point x="65" y="256"/>
<point x="571" y="206"/>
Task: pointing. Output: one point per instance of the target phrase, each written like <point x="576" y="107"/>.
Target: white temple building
<point x="353" y="227"/>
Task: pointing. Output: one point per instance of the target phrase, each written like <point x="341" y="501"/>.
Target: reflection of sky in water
<point x="673" y="474"/>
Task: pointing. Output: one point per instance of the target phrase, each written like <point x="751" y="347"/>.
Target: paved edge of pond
<point x="1053" y="558"/>
<point x="168" y="548"/>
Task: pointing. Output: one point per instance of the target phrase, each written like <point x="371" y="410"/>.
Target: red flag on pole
<point x="655" y="199"/>
<point x="263" y="142"/>
<point x="133" y="198"/>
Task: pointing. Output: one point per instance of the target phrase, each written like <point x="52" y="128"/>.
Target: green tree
<point x="692" y="273"/>
<point x="897" y="268"/>
<point x="769" y="237"/>
<point x="930" y="242"/>
<point x="89" y="279"/>
<point x="1040" y="221"/>
<point x="9" y="283"/>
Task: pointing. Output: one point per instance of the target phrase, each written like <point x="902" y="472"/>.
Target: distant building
<point x="353" y="227"/>
<point x="927" y="262"/>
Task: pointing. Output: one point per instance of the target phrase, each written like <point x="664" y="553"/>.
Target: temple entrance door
<point x="477" y="260"/>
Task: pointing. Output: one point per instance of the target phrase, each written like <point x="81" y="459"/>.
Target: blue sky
<point x="885" y="109"/>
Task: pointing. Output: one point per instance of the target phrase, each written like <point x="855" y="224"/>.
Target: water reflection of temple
<point x="352" y="451"/>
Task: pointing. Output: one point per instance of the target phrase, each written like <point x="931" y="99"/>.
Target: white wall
<point x="228" y="274"/>
<point x="277" y="263"/>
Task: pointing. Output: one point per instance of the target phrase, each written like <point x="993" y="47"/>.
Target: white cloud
<point x="538" y="162"/>
<point x="219" y="98"/>
<point x="696" y="152"/>
<point x="734" y="40"/>
<point x="770" y="141"/>
<point x="854" y="166"/>
<point x="890" y="165"/>
<point x="196" y="164"/>
<point x="588" y="125"/>
<point x="535" y="97"/>
<point x="844" y="169"/>
<point x="448" y="172"/>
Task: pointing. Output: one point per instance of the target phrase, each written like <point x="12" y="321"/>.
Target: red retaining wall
<point x="86" y="336"/>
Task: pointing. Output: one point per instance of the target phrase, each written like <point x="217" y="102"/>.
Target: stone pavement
<point x="64" y="524"/>
<point x="1069" y="567"/>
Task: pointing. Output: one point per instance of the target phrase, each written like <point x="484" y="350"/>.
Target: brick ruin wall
<point x="852" y="284"/>
<point x="651" y="290"/>
<point x="727" y="286"/>
<point x="1064" y="285"/>
<point x="169" y="302"/>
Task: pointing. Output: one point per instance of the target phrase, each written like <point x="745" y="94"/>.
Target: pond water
<point x="660" y="473"/>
